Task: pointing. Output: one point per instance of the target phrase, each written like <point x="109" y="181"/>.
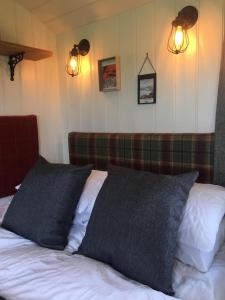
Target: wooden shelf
<point x="17" y="53"/>
<point x="30" y="53"/>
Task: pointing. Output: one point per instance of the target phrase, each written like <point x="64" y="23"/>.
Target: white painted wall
<point x="36" y="88"/>
<point x="187" y="84"/>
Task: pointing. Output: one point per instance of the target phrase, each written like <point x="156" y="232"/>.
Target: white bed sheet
<point x="29" y="272"/>
<point x="191" y="284"/>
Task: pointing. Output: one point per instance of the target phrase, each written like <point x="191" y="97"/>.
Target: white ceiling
<point x="62" y="15"/>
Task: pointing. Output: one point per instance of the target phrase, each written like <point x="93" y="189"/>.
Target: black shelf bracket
<point x="13" y="61"/>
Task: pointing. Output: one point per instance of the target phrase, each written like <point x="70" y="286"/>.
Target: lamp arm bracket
<point x="187" y="17"/>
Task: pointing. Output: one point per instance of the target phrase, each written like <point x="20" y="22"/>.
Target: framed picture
<point x="147" y="88"/>
<point x="109" y="74"/>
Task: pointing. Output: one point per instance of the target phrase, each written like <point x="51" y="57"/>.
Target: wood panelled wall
<point x="187" y="84"/>
<point x="36" y="87"/>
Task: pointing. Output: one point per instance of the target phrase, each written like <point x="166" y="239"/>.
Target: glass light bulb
<point x="73" y="66"/>
<point x="179" y="37"/>
<point x="73" y="63"/>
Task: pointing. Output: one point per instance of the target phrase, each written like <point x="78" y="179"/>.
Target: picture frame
<point x="109" y="74"/>
<point x="147" y="89"/>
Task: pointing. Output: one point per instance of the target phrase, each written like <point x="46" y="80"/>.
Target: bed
<point x="31" y="272"/>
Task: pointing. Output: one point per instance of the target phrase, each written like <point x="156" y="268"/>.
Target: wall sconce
<point x="178" y="41"/>
<point x="73" y="66"/>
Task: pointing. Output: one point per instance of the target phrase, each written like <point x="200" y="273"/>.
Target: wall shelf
<point x="17" y="52"/>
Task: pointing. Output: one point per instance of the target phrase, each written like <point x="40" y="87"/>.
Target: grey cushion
<point x="134" y="224"/>
<point x="43" y="208"/>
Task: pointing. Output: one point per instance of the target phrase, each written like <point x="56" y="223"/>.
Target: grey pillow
<point x="134" y="224"/>
<point x="43" y="208"/>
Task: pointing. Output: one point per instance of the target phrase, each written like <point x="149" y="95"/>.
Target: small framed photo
<point x="147" y="89"/>
<point x="109" y="74"/>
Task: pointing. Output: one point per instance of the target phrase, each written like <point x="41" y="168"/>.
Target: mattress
<point x="29" y="272"/>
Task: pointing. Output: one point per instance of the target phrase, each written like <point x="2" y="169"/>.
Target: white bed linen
<point x="191" y="284"/>
<point x="4" y="204"/>
<point x="29" y="272"/>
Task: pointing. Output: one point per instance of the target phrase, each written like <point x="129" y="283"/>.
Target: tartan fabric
<point x="159" y="153"/>
<point x="18" y="150"/>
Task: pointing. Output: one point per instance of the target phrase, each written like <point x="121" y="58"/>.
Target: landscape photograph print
<point x="147" y="89"/>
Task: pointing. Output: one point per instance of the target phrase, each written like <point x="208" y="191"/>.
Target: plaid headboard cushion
<point x="160" y="153"/>
<point x="18" y="150"/>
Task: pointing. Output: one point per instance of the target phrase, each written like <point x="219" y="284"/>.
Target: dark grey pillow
<point x="43" y="208"/>
<point x="134" y="224"/>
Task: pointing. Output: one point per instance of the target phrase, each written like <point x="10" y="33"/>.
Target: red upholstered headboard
<point x="18" y="150"/>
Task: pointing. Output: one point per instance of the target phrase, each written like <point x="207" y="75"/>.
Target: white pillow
<point x="203" y="214"/>
<point x="84" y="209"/>
<point x="201" y="260"/>
<point x="17" y="186"/>
<point x="91" y="190"/>
<point x="4" y="204"/>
